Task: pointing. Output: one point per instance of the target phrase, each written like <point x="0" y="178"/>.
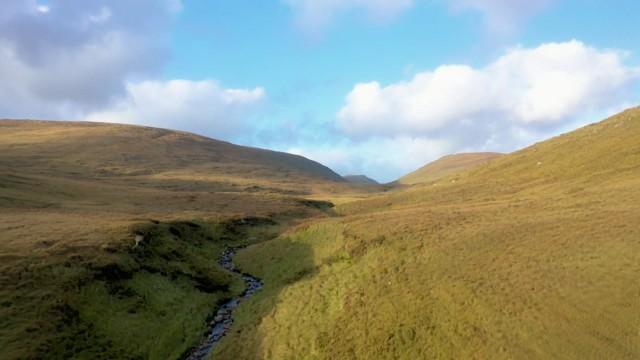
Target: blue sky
<point x="378" y="87"/>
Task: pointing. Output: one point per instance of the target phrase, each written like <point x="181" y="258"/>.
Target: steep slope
<point x="534" y="255"/>
<point x="360" y="179"/>
<point x="446" y="166"/>
<point x="109" y="233"/>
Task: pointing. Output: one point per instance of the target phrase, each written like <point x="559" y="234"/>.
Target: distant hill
<point x="360" y="179"/>
<point x="446" y="166"/>
<point x="111" y="150"/>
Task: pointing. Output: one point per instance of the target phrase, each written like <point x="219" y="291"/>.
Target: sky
<point x="374" y="87"/>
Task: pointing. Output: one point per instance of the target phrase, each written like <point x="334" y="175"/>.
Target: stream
<point x="222" y="321"/>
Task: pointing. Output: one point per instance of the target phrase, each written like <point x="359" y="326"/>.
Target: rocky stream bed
<point x="222" y="321"/>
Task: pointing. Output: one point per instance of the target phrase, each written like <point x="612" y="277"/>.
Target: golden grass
<point x="446" y="166"/>
<point x="532" y="256"/>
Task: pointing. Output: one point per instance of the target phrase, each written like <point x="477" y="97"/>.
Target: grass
<point x="150" y="301"/>
<point x="446" y="166"/>
<point x="73" y="196"/>
<point x="534" y="255"/>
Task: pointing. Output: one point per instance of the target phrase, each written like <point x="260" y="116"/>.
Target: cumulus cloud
<point x="503" y="16"/>
<point x="197" y="106"/>
<point x="314" y="15"/>
<point x="88" y="60"/>
<point x="61" y="58"/>
<point x="543" y="87"/>
<point x="526" y="95"/>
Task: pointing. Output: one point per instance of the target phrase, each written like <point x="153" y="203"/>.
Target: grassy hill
<point x="73" y="198"/>
<point x="446" y="166"/>
<point x="534" y="255"/>
<point x="112" y="150"/>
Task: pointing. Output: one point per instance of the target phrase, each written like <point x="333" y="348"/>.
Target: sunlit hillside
<point x="534" y="255"/>
<point x="446" y="166"/>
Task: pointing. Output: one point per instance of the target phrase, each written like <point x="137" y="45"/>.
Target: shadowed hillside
<point x="446" y="166"/>
<point x="360" y="179"/>
<point x="534" y="255"/>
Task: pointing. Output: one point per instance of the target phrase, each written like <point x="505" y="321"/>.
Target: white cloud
<point x="100" y="17"/>
<point x="314" y="15"/>
<point x="42" y="8"/>
<point x="63" y="58"/>
<point x="524" y="96"/>
<point x="197" y="106"/>
<point x="534" y="88"/>
<point x="84" y="60"/>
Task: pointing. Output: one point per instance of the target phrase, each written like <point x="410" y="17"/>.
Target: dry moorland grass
<point x="532" y="256"/>
<point x="446" y="166"/>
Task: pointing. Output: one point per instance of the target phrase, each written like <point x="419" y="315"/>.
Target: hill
<point x="109" y="150"/>
<point x="534" y="255"/>
<point x="360" y="179"/>
<point x="446" y="166"/>
<point x="76" y="198"/>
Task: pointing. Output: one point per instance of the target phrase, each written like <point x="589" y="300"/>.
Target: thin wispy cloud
<point x="503" y="17"/>
<point x="314" y="16"/>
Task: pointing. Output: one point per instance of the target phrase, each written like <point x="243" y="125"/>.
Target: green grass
<point x="147" y="302"/>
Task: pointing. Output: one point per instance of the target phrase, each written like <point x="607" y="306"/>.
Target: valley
<point x="113" y="233"/>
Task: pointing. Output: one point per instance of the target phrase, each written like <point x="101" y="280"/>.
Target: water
<point x="222" y="321"/>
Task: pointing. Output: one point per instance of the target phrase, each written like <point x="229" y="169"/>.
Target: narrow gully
<point x="222" y="321"/>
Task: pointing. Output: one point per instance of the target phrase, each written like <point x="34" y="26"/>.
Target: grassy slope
<point x="72" y="195"/>
<point x="447" y="166"/>
<point x="534" y="255"/>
